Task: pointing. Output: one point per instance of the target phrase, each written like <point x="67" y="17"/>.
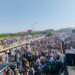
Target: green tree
<point x="48" y="32"/>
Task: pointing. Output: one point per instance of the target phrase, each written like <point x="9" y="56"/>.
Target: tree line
<point x="10" y="35"/>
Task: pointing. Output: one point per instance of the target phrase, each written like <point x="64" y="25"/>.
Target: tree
<point x="48" y="32"/>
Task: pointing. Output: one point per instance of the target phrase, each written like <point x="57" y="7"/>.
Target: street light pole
<point x="33" y="28"/>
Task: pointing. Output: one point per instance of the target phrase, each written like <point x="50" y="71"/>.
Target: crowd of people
<point x="5" y="43"/>
<point x="42" y="57"/>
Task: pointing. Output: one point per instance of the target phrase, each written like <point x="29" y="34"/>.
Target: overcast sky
<point x="21" y="15"/>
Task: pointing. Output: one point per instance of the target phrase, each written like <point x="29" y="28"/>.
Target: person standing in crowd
<point x="20" y="65"/>
<point x="9" y="71"/>
<point x="6" y="58"/>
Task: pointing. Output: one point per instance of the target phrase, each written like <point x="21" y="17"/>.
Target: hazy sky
<point x="20" y="15"/>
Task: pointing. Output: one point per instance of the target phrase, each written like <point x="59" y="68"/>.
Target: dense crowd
<point x="42" y="57"/>
<point x="16" y="40"/>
